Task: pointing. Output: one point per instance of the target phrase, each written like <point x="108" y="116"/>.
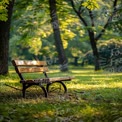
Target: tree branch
<point x="91" y="17"/>
<point x="108" y="21"/>
<point x="78" y="13"/>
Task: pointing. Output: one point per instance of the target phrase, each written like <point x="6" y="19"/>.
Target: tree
<point x="110" y="52"/>
<point x="57" y="36"/>
<point x="3" y="10"/>
<point x="85" y="10"/>
<point x="33" y="21"/>
<point x="30" y="29"/>
<point x="5" y="21"/>
<point x="116" y="24"/>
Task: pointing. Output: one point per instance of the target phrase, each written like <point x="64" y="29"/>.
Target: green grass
<point x="92" y="97"/>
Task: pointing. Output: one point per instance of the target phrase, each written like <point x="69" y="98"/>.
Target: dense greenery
<point x="32" y="24"/>
<point x="3" y="10"/>
<point x="95" y="21"/>
<point x="92" y="97"/>
<point x="32" y="36"/>
<point x="110" y="55"/>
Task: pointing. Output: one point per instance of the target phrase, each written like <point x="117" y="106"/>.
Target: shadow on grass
<point x="87" y="105"/>
<point x="91" y="97"/>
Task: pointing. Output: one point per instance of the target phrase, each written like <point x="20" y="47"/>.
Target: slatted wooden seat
<point x="28" y="66"/>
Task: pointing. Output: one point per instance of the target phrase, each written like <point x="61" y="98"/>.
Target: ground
<point x="91" y="97"/>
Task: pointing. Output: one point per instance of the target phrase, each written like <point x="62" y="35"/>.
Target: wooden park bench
<point x="28" y="66"/>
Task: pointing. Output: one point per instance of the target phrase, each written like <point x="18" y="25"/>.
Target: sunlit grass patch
<point x="92" y="97"/>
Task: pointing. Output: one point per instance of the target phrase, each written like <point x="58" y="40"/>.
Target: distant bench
<point x="33" y="66"/>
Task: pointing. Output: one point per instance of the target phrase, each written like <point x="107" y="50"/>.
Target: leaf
<point x="3" y="10"/>
<point x="91" y="4"/>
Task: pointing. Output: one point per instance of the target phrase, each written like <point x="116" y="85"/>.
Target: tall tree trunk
<point x="4" y="40"/>
<point x="95" y="50"/>
<point x="58" y="42"/>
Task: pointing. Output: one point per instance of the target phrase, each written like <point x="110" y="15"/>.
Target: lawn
<point x="91" y="97"/>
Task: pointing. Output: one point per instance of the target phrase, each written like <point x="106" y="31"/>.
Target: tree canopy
<point x="3" y="10"/>
<point x="32" y="35"/>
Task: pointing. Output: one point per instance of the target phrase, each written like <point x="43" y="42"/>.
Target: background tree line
<point x="32" y="36"/>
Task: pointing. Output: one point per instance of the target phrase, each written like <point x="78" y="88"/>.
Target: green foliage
<point x="76" y="52"/>
<point x="116" y="23"/>
<point x="35" y="45"/>
<point x="66" y="22"/>
<point x="30" y="25"/>
<point x="96" y="14"/>
<point x="91" y="4"/>
<point x="110" y="53"/>
<point x="3" y="10"/>
<point x="31" y="20"/>
<point x="88" y="59"/>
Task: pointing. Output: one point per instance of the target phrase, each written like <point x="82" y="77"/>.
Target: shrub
<point x="110" y="53"/>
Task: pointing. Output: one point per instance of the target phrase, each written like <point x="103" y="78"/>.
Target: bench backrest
<point x="28" y="66"/>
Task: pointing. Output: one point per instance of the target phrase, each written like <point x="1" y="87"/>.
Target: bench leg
<point x="45" y="91"/>
<point x="25" y="86"/>
<point x="23" y="90"/>
<point x="65" y="88"/>
<point x="60" y="82"/>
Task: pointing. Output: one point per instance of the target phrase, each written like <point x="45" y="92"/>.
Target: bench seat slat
<point x="60" y="79"/>
<point x="32" y="69"/>
<point x="47" y="80"/>
<point x="42" y="80"/>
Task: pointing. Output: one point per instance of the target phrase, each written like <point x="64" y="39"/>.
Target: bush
<point x="110" y="53"/>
